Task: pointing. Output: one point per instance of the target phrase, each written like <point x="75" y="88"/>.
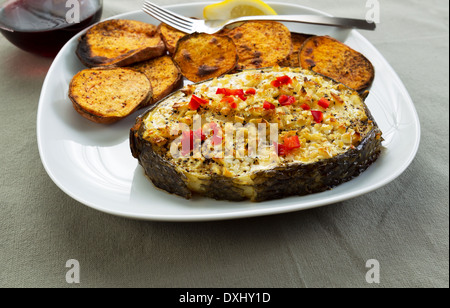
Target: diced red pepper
<point x="194" y="105"/>
<point x="240" y="94"/>
<point x="291" y="101"/>
<point x="231" y="101"/>
<point x="188" y="138"/>
<point x="324" y="103"/>
<point x="283" y="99"/>
<point x="232" y="92"/>
<point x="227" y="99"/>
<point x="286" y="100"/>
<point x="305" y="106"/>
<point x="276" y="83"/>
<point x="236" y="92"/>
<point x="318" y="116"/>
<point x="268" y="106"/>
<point x="198" y="134"/>
<point x="284" y="80"/>
<point x="196" y="102"/>
<point x="250" y="92"/>
<point x="214" y="126"/>
<point x="221" y="91"/>
<point x="191" y="135"/>
<point x="292" y="143"/>
<point x="280" y="149"/>
<point x="216" y="138"/>
<point x="199" y="100"/>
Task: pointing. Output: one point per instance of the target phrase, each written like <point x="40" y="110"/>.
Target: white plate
<point x="92" y="163"/>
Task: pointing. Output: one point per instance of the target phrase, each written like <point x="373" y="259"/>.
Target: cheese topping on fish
<point x="313" y="118"/>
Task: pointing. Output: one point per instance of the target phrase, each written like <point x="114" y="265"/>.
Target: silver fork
<point x="190" y="25"/>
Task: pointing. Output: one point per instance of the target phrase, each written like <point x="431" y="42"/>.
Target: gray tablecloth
<point x="403" y="225"/>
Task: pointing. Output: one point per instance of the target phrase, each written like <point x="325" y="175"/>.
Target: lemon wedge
<point x="230" y="9"/>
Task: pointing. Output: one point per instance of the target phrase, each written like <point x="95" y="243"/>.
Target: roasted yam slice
<point x="170" y="36"/>
<point x="261" y="44"/>
<point x="119" y="43"/>
<point x="107" y="95"/>
<point x="203" y="56"/>
<point x="326" y="136"/>
<point x="333" y="59"/>
<point x="297" y="42"/>
<point x="164" y="75"/>
<point x="224" y="32"/>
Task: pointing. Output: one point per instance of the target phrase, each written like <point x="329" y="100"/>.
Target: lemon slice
<point x="230" y="9"/>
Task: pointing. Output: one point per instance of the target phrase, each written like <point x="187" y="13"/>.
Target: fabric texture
<point x="403" y="225"/>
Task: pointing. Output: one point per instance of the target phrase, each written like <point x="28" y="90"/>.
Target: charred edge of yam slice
<point x="164" y="75"/>
<point x="202" y="56"/>
<point x="170" y="36"/>
<point x="224" y="32"/>
<point x="261" y="44"/>
<point x="331" y="58"/>
<point x="298" y="39"/>
<point x="119" y="43"/>
<point x="107" y="95"/>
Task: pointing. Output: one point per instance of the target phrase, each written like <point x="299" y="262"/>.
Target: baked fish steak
<point x="257" y="135"/>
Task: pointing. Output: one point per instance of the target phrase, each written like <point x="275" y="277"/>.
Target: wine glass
<point x="43" y="26"/>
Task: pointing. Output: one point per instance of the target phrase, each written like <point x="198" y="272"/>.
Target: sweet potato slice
<point x="107" y="95"/>
<point x="170" y="36"/>
<point x="261" y="44"/>
<point x="331" y="58"/>
<point x="164" y="75"/>
<point x="297" y="42"/>
<point x="203" y="56"/>
<point x="119" y="43"/>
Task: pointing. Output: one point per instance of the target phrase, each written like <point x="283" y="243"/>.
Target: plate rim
<point x="232" y="215"/>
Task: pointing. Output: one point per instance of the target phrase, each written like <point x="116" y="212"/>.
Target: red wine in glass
<point x="42" y="26"/>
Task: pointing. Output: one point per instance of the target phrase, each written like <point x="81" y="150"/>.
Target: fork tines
<point x="170" y="18"/>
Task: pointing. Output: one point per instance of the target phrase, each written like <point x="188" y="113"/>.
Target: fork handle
<point x="312" y="19"/>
